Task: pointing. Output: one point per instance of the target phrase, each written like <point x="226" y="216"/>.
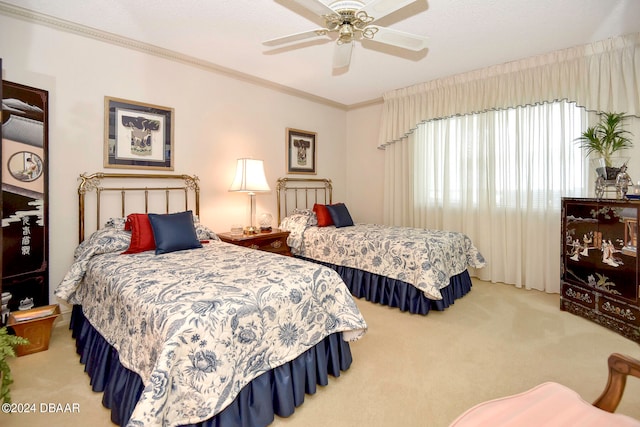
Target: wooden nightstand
<point x="274" y="241"/>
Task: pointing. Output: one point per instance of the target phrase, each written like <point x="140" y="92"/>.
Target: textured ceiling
<point x="464" y="35"/>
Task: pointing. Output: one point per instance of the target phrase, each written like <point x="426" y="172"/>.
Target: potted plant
<point x="606" y="138"/>
<point x="7" y="345"/>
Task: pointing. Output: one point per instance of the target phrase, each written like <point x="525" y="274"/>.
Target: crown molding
<point x="365" y="104"/>
<point x="114" y="39"/>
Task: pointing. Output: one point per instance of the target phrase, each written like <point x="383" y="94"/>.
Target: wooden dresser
<point x="273" y="241"/>
<point x="599" y="271"/>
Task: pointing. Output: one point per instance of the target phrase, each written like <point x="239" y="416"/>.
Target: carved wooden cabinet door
<point x="4" y="311"/>
<point x="600" y="279"/>
<point x="24" y="196"/>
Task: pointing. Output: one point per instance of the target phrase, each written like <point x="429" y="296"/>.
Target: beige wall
<point x="365" y="164"/>
<point x="218" y="118"/>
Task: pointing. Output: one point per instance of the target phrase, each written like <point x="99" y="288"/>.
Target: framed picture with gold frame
<point x="301" y="151"/>
<point x="137" y="135"/>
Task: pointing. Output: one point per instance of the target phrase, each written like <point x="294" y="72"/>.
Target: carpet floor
<point x="408" y="370"/>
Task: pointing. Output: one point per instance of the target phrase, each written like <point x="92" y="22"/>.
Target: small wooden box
<point x="35" y="325"/>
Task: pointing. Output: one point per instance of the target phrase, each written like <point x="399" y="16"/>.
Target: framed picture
<point x="137" y="135"/>
<point x="301" y="151"/>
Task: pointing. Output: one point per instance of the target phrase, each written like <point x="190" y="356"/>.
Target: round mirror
<point x="25" y="166"/>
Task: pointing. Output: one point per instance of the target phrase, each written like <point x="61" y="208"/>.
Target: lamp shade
<point x="250" y="177"/>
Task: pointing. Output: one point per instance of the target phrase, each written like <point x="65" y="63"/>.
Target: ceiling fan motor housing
<point x="348" y="21"/>
<point x="346" y="5"/>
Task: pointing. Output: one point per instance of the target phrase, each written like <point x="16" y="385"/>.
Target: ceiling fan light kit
<point x="351" y="21"/>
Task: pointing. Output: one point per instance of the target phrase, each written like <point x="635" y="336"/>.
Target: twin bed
<point x="183" y="329"/>
<point x="201" y="331"/>
<point x="413" y="269"/>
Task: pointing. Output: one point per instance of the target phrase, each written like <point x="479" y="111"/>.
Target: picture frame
<point x="137" y="135"/>
<point x="301" y="151"/>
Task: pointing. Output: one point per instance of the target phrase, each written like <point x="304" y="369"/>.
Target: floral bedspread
<point x="427" y="259"/>
<point x="198" y="325"/>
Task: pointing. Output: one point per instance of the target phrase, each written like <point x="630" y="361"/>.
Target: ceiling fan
<point x="351" y="20"/>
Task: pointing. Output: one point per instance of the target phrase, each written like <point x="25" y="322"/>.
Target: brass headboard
<point x="302" y="193"/>
<point x="153" y="184"/>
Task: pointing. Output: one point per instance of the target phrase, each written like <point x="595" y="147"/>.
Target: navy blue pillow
<point x="174" y="232"/>
<point x="340" y="215"/>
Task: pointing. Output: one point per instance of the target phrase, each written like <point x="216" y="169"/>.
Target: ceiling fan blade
<point x="380" y="8"/>
<point x="296" y="37"/>
<point x="400" y="38"/>
<point x="316" y="6"/>
<point x="342" y="55"/>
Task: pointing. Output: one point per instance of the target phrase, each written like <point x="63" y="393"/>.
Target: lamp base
<point x="249" y="229"/>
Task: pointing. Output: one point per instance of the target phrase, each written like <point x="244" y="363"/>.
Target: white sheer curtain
<point x="491" y="152"/>
<point x="498" y="177"/>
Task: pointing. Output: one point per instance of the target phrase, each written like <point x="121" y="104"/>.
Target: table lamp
<point x="250" y="179"/>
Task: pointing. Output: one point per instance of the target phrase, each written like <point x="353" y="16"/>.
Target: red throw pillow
<point x="324" y="217"/>
<point x="141" y="234"/>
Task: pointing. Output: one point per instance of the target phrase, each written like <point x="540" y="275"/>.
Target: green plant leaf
<point x="606" y="137"/>
<point x="7" y="349"/>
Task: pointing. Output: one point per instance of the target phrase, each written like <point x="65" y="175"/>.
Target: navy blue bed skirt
<point x="276" y="392"/>
<point x="396" y="293"/>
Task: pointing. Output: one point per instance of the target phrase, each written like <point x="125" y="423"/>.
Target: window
<point x="524" y="157"/>
<point x="499" y="177"/>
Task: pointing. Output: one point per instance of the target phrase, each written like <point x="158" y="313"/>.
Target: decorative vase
<point x="265" y="222"/>
<point x="606" y="175"/>
<point x="4" y="311"/>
